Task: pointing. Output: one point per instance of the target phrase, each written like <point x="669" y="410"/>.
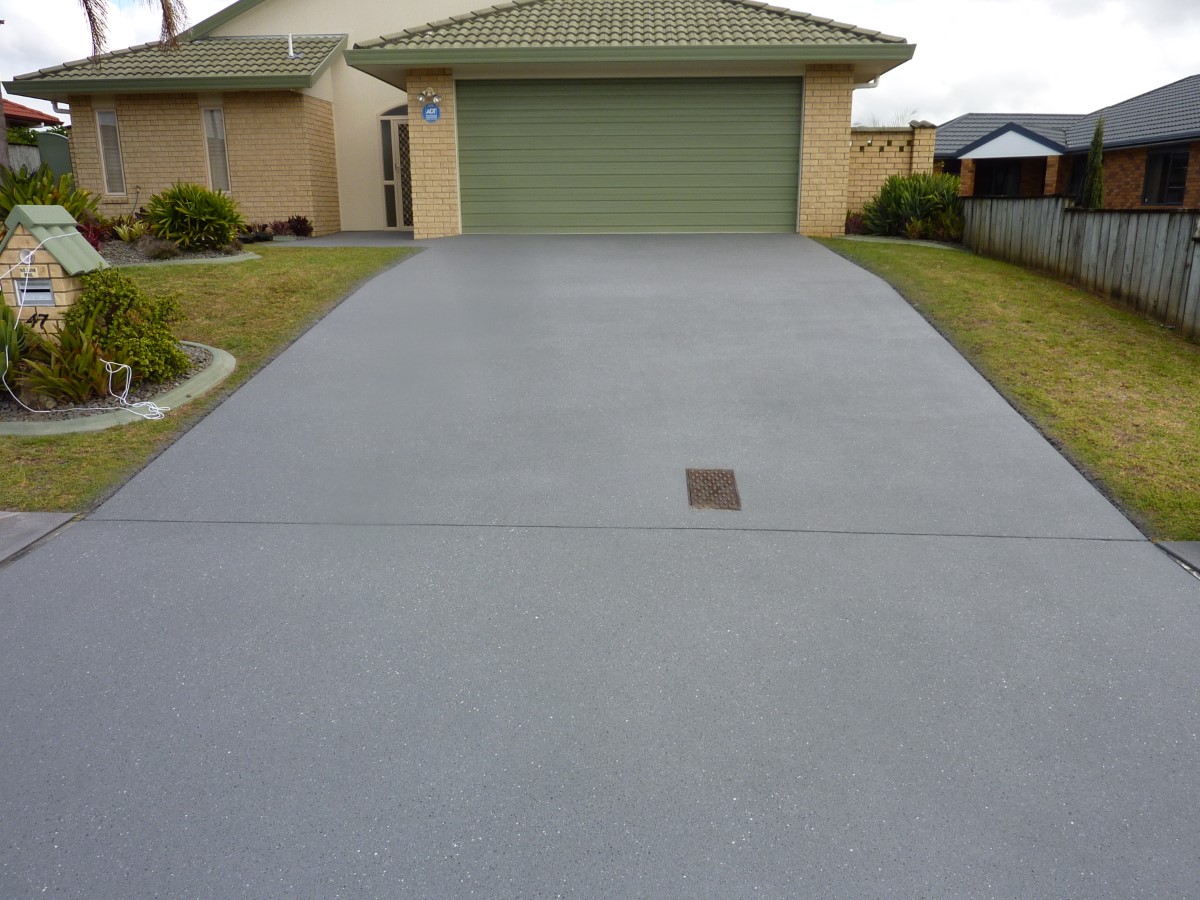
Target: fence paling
<point x="1147" y="260"/>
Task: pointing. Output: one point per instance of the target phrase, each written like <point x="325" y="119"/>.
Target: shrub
<point x="154" y="248"/>
<point x="300" y="226"/>
<point x="21" y="187"/>
<point x="16" y="340"/>
<point x="130" y="325"/>
<point x="916" y="206"/>
<point x="22" y="136"/>
<point x="279" y="226"/>
<point x="74" y="369"/>
<point x="129" y="230"/>
<point x="193" y="217"/>
<point x="854" y="223"/>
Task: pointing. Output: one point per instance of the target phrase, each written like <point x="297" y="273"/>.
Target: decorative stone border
<point x="219" y="369"/>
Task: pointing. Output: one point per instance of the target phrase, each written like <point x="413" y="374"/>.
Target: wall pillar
<point x="825" y="150"/>
<point x="967" y="179"/>
<point x="1050" y="187"/>
<point x="433" y="156"/>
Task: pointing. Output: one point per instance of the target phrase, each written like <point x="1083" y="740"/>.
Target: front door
<point x="397" y="174"/>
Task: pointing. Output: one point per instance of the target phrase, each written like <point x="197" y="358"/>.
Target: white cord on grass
<point x="145" y="408"/>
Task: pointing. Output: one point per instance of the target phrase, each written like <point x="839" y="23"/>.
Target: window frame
<point x="208" y="151"/>
<point x="1156" y="186"/>
<point x="104" y="158"/>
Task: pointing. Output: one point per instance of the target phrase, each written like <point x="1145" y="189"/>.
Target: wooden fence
<point x="1147" y="260"/>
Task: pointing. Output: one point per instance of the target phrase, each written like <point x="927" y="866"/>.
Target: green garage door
<point x="629" y="155"/>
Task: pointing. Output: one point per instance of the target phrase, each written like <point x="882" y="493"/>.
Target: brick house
<point x="1151" y="151"/>
<point x="531" y="115"/>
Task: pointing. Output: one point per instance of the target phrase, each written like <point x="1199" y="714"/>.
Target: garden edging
<point x="222" y="367"/>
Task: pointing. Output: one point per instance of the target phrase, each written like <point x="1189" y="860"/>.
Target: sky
<point x="1003" y="56"/>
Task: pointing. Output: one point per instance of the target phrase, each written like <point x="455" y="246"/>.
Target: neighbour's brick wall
<point x="878" y="153"/>
<point x="279" y="143"/>
<point x="1050" y="182"/>
<point x="433" y="156"/>
<point x="825" y="151"/>
<point x="1033" y="176"/>
<point x="966" y="176"/>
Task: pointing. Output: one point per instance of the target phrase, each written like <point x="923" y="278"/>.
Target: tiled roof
<point x="207" y="58"/>
<point x="1168" y="113"/>
<point x="630" y="23"/>
<point x="1164" y="114"/>
<point x="19" y="114"/>
<point x="958" y="133"/>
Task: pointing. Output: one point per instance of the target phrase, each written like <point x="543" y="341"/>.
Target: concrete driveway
<point x="422" y="611"/>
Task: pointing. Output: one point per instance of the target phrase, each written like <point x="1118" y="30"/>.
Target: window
<point x="110" y="151"/>
<point x="998" y="178"/>
<point x="1166" y="176"/>
<point x="214" y="142"/>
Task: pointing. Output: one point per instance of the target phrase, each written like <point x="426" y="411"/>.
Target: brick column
<point x="433" y="155"/>
<point x="967" y="178"/>
<point x="924" y="141"/>
<point x="1050" y="186"/>
<point x="825" y="150"/>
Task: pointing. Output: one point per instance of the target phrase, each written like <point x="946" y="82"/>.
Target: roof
<point x="1164" y="115"/>
<point x="619" y="32"/>
<point x="631" y="23"/>
<point x="19" y="114"/>
<point x="211" y="63"/>
<point x="55" y="227"/>
<point x="1004" y="140"/>
<point x="957" y="134"/>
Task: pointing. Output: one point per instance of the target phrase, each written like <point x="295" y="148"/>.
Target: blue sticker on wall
<point x="431" y="112"/>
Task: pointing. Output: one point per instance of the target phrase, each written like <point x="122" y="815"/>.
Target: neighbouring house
<point x="531" y="115"/>
<point x="17" y="114"/>
<point x="1151" y="151"/>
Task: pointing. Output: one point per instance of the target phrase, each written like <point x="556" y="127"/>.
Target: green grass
<point x="1117" y="393"/>
<point x="252" y="309"/>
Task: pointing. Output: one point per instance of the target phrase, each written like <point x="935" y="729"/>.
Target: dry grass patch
<point x="252" y="309"/>
<point x="1116" y="393"/>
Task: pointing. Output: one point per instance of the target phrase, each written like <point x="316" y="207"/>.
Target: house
<point x="1151" y="150"/>
<point x="531" y="115"/>
<point x="19" y="115"/>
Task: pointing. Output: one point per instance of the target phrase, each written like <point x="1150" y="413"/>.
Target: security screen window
<point x="998" y="178"/>
<point x="110" y="151"/>
<point x="1166" y="176"/>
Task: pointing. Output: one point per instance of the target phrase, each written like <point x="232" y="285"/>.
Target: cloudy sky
<point x="972" y="55"/>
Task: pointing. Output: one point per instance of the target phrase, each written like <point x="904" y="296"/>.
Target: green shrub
<point x="40" y="188"/>
<point x="130" y="325"/>
<point x="16" y="340"/>
<point x="916" y="206"/>
<point x="193" y="217"/>
<point x="129" y="231"/>
<point x="74" y="369"/>
<point x="22" y="136"/>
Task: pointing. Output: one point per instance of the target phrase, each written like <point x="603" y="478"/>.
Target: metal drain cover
<point x="712" y="489"/>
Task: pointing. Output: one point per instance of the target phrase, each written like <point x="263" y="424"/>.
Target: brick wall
<point x="281" y="157"/>
<point x="825" y="151"/>
<point x="877" y="153"/>
<point x="433" y="155"/>
<point x="966" y="177"/>
<point x="280" y="147"/>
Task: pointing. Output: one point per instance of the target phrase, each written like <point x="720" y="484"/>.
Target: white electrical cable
<point x="144" y="408"/>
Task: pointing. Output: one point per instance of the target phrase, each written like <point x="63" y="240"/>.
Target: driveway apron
<point x="422" y="610"/>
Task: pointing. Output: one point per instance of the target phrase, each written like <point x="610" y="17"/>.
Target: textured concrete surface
<point x="421" y="611"/>
<point x="20" y="529"/>
<point x="1188" y="551"/>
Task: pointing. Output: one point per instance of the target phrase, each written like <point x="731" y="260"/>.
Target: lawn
<point x="1115" y="392"/>
<point x="253" y="310"/>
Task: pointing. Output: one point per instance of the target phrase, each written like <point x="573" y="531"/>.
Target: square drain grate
<point x="712" y="489"/>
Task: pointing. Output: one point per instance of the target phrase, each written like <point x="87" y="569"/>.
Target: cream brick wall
<point x="280" y="147"/>
<point x="825" y="151"/>
<point x="433" y="154"/>
<point x="878" y="153"/>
